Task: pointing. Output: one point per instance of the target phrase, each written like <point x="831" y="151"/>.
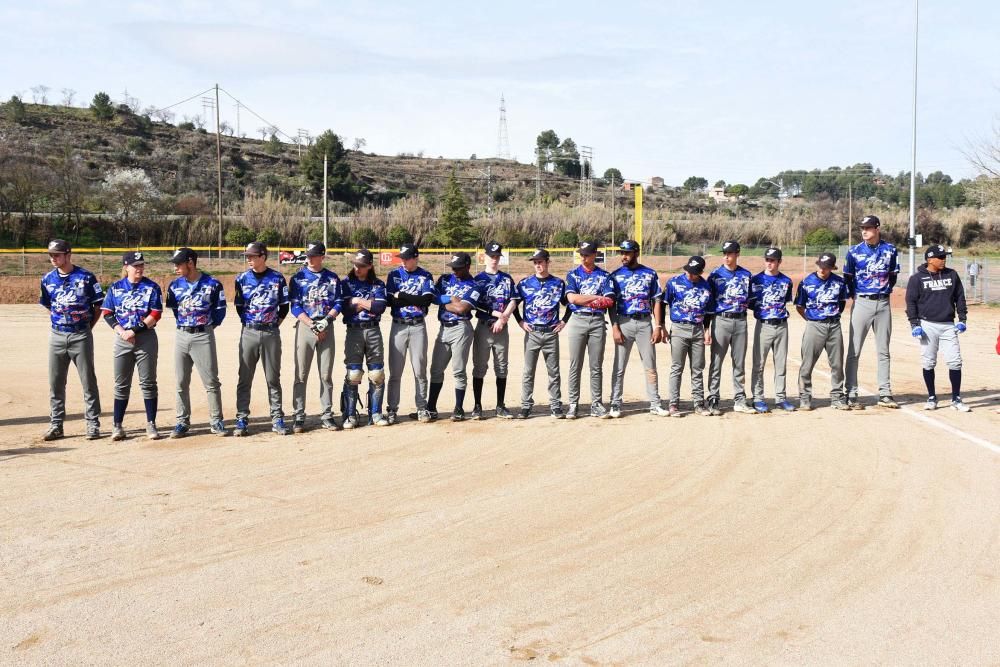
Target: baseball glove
<point x="601" y="303"/>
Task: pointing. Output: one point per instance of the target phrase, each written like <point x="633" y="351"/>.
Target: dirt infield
<point x="806" y="538"/>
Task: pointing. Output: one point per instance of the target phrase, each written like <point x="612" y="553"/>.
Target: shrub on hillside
<point x="364" y="237"/>
<point x="822" y="237"/>
<point x="398" y="235"/>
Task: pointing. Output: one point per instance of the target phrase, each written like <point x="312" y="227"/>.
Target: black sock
<point x="432" y="400"/>
<point x="120" y="405"/>
<point x="955" y="375"/>
<point x="150" y="404"/>
<point x="477" y="390"/>
<point x="459" y="399"/>
<point x="501" y="390"/>
<point x="929" y="381"/>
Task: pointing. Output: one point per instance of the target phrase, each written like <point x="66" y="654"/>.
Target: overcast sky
<point x="732" y="90"/>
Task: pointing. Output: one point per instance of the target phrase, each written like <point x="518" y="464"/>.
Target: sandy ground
<point x="819" y="538"/>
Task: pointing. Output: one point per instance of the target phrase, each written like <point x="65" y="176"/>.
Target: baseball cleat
<point x="674" y="410"/>
<point x="839" y="405"/>
<point x="350" y="422"/>
<point x="93" y="431"/>
<point x="423" y="416"/>
<point x="524" y="413"/>
<point x="391" y="417"/>
<point x="54" y="433"/>
<point x="330" y="424"/>
<point x="299" y="426"/>
<point x="700" y="409"/>
<point x="713" y="408"/>
<point x="616" y="410"/>
<point x="599" y="411"/>
<point x="278" y="426"/>
<point x="504" y="413"/>
<point x="477" y="413"/>
<point x="854" y="404"/>
<point x="746" y="409"/>
<point x="378" y="419"/>
<point x="787" y="406"/>
<point x="805" y="404"/>
<point x="218" y="428"/>
<point x="151" y="431"/>
<point x="931" y="404"/>
<point x="570" y="411"/>
<point x="241" y="428"/>
<point x="957" y="404"/>
<point x="557" y="412"/>
<point x="887" y="402"/>
<point x="117" y="432"/>
<point x="179" y="431"/>
<point x="657" y="411"/>
<point x="761" y="407"/>
<point x="458" y="415"/>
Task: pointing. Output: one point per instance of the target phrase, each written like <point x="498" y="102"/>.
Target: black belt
<point x="637" y="316"/>
<point x="452" y="323"/>
<point x="774" y="321"/>
<point x="694" y="324"/>
<point x="588" y="314"/>
<point x="733" y="316"/>
<point x="874" y="297"/>
<point x="362" y="325"/>
<point x="542" y="328"/>
<point x="198" y="329"/>
<point x="260" y="327"/>
<point x="71" y="328"/>
<point x="408" y="320"/>
<point x="827" y="319"/>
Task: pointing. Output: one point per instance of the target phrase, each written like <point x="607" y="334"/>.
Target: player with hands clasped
<point x="821" y="299"/>
<point x="411" y="292"/>
<point x="589" y="293"/>
<point x="934" y="296"/>
<point x="491" y="334"/>
<point x="730" y="285"/>
<point x="770" y="292"/>
<point x="363" y="305"/>
<point x="691" y="302"/>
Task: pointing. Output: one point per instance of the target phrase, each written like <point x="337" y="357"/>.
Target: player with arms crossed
<point x="491" y="334"/>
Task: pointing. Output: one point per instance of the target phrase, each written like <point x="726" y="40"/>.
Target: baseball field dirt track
<point x="807" y="538"/>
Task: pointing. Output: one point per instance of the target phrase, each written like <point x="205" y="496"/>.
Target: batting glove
<point x="960" y="327"/>
<point x="917" y="332"/>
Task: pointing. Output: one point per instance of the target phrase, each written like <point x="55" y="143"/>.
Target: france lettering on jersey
<point x="315" y="294"/>
<point x="70" y="298"/>
<point x="769" y="294"/>
<point x="731" y="289"/>
<point x="417" y="283"/>
<point x="821" y="298"/>
<point x="197" y="304"/>
<point x="132" y="302"/>
<point x="362" y="289"/>
<point x="581" y="281"/>
<point x="497" y="290"/>
<point x="541" y="299"/>
<point x="260" y="296"/>
<point x="689" y="302"/>
<point x="465" y="289"/>
<point x="871" y="267"/>
<point x="635" y="291"/>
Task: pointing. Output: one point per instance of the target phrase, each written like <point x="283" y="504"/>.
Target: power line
<point x="258" y="116"/>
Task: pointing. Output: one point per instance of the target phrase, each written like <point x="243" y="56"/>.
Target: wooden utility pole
<point x="326" y="199"/>
<point x="218" y="165"/>
<point x="850" y="212"/>
<point x="612" y="209"/>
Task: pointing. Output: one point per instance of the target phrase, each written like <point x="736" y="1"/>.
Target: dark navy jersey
<point x="417" y="283"/>
<point x="497" y="290"/>
<point x="635" y="291"/>
<point x="731" y="289"/>
<point x="821" y="298"/>
<point x="362" y="289"/>
<point x="130" y="303"/>
<point x="70" y="298"/>
<point x="689" y="302"/>
<point x="871" y="267"/>
<point x="541" y="298"/>
<point x="197" y="304"/>
<point x="582" y="281"/>
<point x="465" y="289"/>
<point x="769" y="296"/>
<point x="315" y="294"/>
<point x="260" y="298"/>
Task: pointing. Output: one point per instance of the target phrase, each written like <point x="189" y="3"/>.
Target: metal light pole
<point x="326" y="200"/>
<point x="913" y="162"/>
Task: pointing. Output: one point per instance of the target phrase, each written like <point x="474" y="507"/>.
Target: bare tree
<point x="263" y="132"/>
<point x="39" y="94"/>
<point x="198" y="121"/>
<point x="71" y="187"/>
<point x="984" y="156"/>
<point x="226" y="128"/>
<point x="359" y="143"/>
<point x="131" y="195"/>
<point x="67" y="97"/>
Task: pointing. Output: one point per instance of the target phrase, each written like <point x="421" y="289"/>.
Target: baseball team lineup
<point x="704" y="319"/>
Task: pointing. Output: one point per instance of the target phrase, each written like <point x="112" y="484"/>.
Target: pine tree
<point x="454" y="228"/>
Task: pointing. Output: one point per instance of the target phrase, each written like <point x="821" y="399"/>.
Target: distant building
<point x="719" y="195"/>
<point x="656" y="182"/>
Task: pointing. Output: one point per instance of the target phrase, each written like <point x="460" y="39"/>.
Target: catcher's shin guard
<point x="375" y="392"/>
<point x="349" y="400"/>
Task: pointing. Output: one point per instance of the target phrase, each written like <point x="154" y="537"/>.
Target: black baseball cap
<point x="409" y="251"/>
<point x="629" y="245"/>
<point x="772" y="253"/>
<point x="184" y="255"/>
<point x="587" y="248"/>
<point x="255" y="248"/>
<point x="58" y="245"/>
<point x="315" y="249"/>
<point x="871" y="221"/>
<point x="695" y="265"/>
<point x="363" y="257"/>
<point x="494" y="249"/>
<point x="541" y="253"/>
<point x="938" y="251"/>
<point x="827" y="260"/>
<point x="730" y="246"/>
<point x="133" y="258"/>
<point x="460" y="260"/>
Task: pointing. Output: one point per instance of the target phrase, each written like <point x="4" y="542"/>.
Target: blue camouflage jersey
<point x="465" y="289"/>
<point x="417" y="283"/>
<point x="731" y="289"/>
<point x="197" y="304"/>
<point x="871" y="267"/>
<point x="689" y="302"/>
<point x="260" y="297"/>
<point x="581" y="281"/>
<point x="70" y="299"/>
<point x="497" y="290"/>
<point x="130" y="303"/>
<point x="636" y="290"/>
<point x="769" y="296"/>
<point x="541" y="298"/>
<point x="821" y="298"/>
<point x="363" y="289"/>
<point x="315" y="294"/>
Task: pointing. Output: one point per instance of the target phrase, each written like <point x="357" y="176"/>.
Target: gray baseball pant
<point x="484" y="341"/>
<point x="769" y="339"/>
<point x="687" y="341"/>
<point x="547" y="344"/>
<point x="635" y="332"/>
<point x="307" y="346"/>
<point x="141" y="355"/>
<point x="364" y="345"/>
<point x="820" y="336"/>
<point x="77" y="347"/>
<point x="728" y="335"/>
<point x="452" y="344"/>
<point x="876" y="315"/>
<point x="264" y="347"/>
<point x="939" y="336"/>
<point x="586" y="335"/>
<point x="413" y="338"/>
<point x="197" y="350"/>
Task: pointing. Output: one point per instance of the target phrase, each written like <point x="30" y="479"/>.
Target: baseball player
<point x="364" y="301"/>
<point x="261" y="299"/>
<point x="870" y="271"/>
<point x="411" y="291"/>
<point x="636" y="319"/>
<point x="73" y="297"/>
<point x="821" y="299"/>
<point x="770" y="293"/>
<point x="458" y="295"/>
<point x="314" y="295"/>
<point x="540" y="294"/>
<point x="730" y="285"/>
<point x="589" y="293"/>
<point x="934" y="295"/>
<point x="691" y="303"/>
<point x="132" y="307"/>
<point x="491" y="334"/>
<point x="199" y="306"/>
